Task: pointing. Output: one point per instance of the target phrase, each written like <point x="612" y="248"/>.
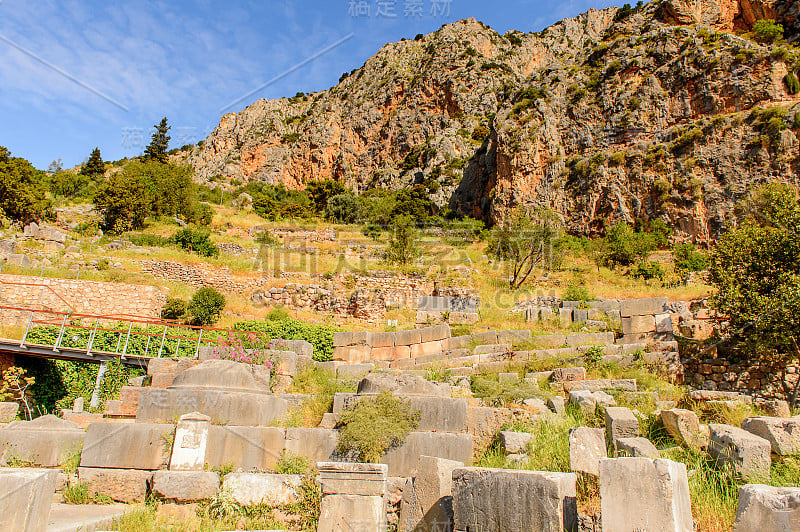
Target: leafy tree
<point x="525" y="244"/>
<point x="197" y="241"/>
<point x="343" y="208"/>
<point x="174" y="309"/>
<point x="274" y="202"/>
<point x="159" y="143"/>
<point x="414" y="202"/>
<point x="623" y="246"/>
<point x="756" y="271"/>
<point x="322" y="190"/>
<point x="15" y="387"/>
<point x="206" y="306"/>
<point x="123" y="203"/>
<point x="767" y="31"/>
<point x="22" y="189"/>
<point x="404" y="242"/>
<point x="688" y="259"/>
<point x="94" y="167"/>
<point x="55" y="166"/>
<point x="67" y="184"/>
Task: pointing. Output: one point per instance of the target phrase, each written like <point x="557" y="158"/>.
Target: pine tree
<point x="94" y="167"/>
<point x="159" y="144"/>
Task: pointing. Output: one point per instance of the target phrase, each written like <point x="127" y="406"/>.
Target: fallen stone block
<point x="46" y="441"/>
<point x="185" y="486"/>
<point x="620" y="423"/>
<point x="427" y="502"/>
<point x="586" y="447"/>
<point x="683" y="425"/>
<point x="246" y="447"/>
<point x="375" y="383"/>
<point x="747" y="454"/>
<point x="26" y="498"/>
<point x="122" y="485"/>
<point x="783" y="434"/>
<point x="568" y="374"/>
<point x="536" y="405"/>
<point x="589" y="401"/>
<point x="402" y="460"/>
<point x="499" y="500"/>
<point x="8" y="412"/>
<point x="716" y="395"/>
<point x="515" y="442"/>
<point x="126" y="446"/>
<point x="642" y="307"/>
<point x="636" y="447"/>
<point x="557" y="404"/>
<point x="644" y="494"/>
<point x="249" y="489"/>
<point x="593" y="385"/>
<point x="763" y="508"/>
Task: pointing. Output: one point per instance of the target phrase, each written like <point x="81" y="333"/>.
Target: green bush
<point x="688" y="259"/>
<point x="767" y="31"/>
<point x="22" y="189"/>
<point x="206" y="306"/>
<point x="374" y="425"/>
<point x="648" y="270"/>
<point x="320" y="336"/>
<point x="403" y="245"/>
<point x="197" y="241"/>
<point x="792" y="84"/>
<point x="343" y="208"/>
<point x="576" y="292"/>
<point x="143" y="239"/>
<point x="174" y="309"/>
<point x="289" y="464"/>
<point x="622" y="246"/>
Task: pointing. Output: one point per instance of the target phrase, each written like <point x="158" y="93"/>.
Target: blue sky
<point x="75" y="75"/>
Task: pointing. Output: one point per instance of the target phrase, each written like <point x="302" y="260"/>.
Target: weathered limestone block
<point x="8" y="412"/>
<point x="588" y="401"/>
<point x="354" y="371"/>
<point x="637" y="447"/>
<point x="620" y="423"/>
<point x="776" y="408"/>
<point x="46" y="441"/>
<point x="644" y="494"/>
<point x="427" y="502"/>
<point x="234" y="408"/>
<point x="568" y="374"/>
<point x="515" y="442"/>
<point x="557" y="404"/>
<point x="126" y="446"/>
<point x="783" y="434"/>
<point x="401" y="385"/>
<point x="642" y="307"/>
<point x="353" y="353"/>
<point x="191" y="440"/>
<point x="577" y="340"/>
<point x="684" y="426"/>
<point x="586" y="447"/>
<point x="402" y="460"/>
<point x="246" y="447"/>
<point x="638" y="324"/>
<point x="316" y="444"/>
<point x="747" y="454"/>
<point x="352" y="496"/>
<point x="26" y="498"/>
<point x="249" y="489"/>
<point x="514" y="337"/>
<point x="499" y="500"/>
<point x="122" y="485"/>
<point x="763" y="508"/>
<point x="345" y="339"/>
<point x="185" y="486"/>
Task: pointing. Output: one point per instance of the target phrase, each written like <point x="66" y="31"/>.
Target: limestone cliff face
<point x="653" y="115"/>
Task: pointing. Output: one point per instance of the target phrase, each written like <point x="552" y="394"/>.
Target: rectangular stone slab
<point x="499" y="500"/>
<point x="245" y="447"/>
<point x="403" y="460"/>
<point x="127" y="445"/>
<point x="227" y="408"/>
<point x="26" y="498"/>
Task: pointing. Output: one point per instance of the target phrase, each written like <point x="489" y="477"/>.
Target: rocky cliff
<point x="669" y="112"/>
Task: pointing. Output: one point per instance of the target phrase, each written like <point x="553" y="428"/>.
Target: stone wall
<point x="86" y="297"/>
<point x="390" y="346"/>
<point x="720" y="371"/>
<point x="199" y="275"/>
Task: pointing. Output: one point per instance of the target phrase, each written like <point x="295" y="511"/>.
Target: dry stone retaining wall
<point x="87" y="297"/>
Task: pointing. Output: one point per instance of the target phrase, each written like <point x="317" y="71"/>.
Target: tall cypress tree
<point x="94" y="167"/>
<point x="157" y="150"/>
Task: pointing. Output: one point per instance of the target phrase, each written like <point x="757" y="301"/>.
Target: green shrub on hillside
<point x="174" y="309"/>
<point x="197" y="241"/>
<point x="623" y="247"/>
<point x="374" y="425"/>
<point x="206" y="306"/>
<point x="22" y="190"/>
<point x="343" y="208"/>
<point x="792" y="84"/>
<point x="767" y="31"/>
<point x="688" y="259"/>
